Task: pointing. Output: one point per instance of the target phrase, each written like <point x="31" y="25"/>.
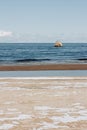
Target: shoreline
<point x="46" y="77"/>
<point x="43" y="67"/>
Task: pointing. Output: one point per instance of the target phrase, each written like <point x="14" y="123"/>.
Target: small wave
<point x="30" y="60"/>
<point x="83" y="59"/>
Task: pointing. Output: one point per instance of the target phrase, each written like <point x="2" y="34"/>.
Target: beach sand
<point x="43" y="67"/>
<point x="44" y="103"/>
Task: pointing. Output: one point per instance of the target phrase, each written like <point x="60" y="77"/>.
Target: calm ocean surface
<point x="36" y="53"/>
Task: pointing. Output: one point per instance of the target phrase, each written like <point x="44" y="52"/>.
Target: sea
<point x="42" y="53"/>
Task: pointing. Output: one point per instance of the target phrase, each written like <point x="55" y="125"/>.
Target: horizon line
<point x="40" y="42"/>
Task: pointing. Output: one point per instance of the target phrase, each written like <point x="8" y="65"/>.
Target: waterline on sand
<point x="50" y="73"/>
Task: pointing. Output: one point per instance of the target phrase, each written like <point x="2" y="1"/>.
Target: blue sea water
<point x="36" y="53"/>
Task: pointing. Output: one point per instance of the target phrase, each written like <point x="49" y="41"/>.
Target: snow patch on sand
<point x="9" y="121"/>
<point x="6" y="126"/>
<point x="9" y="102"/>
<point x="72" y="114"/>
<point x="11" y="88"/>
<point x="19" y="117"/>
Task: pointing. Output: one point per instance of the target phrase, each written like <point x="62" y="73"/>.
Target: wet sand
<point x="43" y="103"/>
<point x="44" y="67"/>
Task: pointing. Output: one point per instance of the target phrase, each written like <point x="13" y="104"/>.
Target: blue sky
<point x="43" y="20"/>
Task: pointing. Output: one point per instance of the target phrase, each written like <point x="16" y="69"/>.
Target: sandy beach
<point x="43" y="67"/>
<point x="44" y="103"/>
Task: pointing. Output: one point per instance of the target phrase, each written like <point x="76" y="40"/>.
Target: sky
<point x="43" y="21"/>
